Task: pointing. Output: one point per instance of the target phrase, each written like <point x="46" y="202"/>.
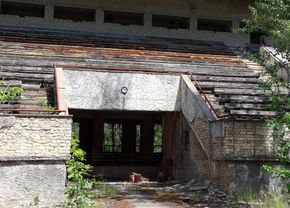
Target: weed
<point x="106" y="189"/>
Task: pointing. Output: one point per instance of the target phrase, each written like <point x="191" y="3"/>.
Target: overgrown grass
<point x="106" y="189"/>
<point x="274" y="198"/>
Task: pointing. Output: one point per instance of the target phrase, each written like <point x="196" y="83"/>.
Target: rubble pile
<point x="204" y="191"/>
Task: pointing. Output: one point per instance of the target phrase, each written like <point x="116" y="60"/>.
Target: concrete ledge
<point x="39" y="115"/>
<point x="33" y="158"/>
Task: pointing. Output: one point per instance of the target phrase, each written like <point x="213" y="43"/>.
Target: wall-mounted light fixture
<point x="124" y="90"/>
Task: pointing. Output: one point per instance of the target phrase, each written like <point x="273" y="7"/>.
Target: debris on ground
<point x="170" y="195"/>
<point x="137" y="178"/>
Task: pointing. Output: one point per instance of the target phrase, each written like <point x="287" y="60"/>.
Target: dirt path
<point x="150" y="196"/>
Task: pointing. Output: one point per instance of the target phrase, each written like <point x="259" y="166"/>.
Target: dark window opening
<point x="243" y="24"/>
<point x="138" y="138"/>
<point x="22" y="9"/>
<point x="74" y="14"/>
<point x="256" y="38"/>
<point x="157" y="138"/>
<point x="214" y="25"/>
<point x="112" y="137"/>
<point x="170" y="22"/>
<point x="123" y="18"/>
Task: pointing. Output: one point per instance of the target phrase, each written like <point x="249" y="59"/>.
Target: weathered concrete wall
<point x="243" y="175"/>
<point x="228" y="152"/>
<point x="24" y="183"/>
<point x="230" y="175"/>
<point x="244" y="140"/>
<point x="102" y="91"/>
<point x="224" y="10"/>
<point x="196" y="112"/>
<point x="34" y="137"/>
<point x="33" y="152"/>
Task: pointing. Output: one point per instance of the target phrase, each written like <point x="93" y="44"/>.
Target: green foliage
<point x="79" y="191"/>
<point x="272" y="18"/>
<point x="105" y="189"/>
<point x="8" y="93"/>
<point x="42" y="102"/>
<point x="275" y="198"/>
<point x="157" y="138"/>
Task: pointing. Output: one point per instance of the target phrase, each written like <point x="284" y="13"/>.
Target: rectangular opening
<point x="138" y="138"/>
<point x="22" y="9"/>
<point x="112" y="137"/>
<point x="170" y="22"/>
<point x="123" y="18"/>
<point x="157" y="138"/>
<point x="214" y="25"/>
<point x="74" y="14"/>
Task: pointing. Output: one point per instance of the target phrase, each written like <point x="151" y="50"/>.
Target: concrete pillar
<point x="236" y="23"/>
<point x="49" y="12"/>
<point x="99" y="18"/>
<point x="193" y="23"/>
<point x="147" y="137"/>
<point x="171" y="144"/>
<point x="98" y="133"/>
<point x="147" y="19"/>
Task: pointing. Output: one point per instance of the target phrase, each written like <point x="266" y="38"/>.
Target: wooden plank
<point x="9" y="106"/>
<point x="232" y="79"/>
<point x="35" y="75"/>
<point x="227" y="91"/>
<point x="252" y="112"/>
<point x="244" y="99"/>
<point x="11" y="83"/>
<point x="244" y="106"/>
<point x="204" y="84"/>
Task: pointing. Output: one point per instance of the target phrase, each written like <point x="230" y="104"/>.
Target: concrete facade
<point x="33" y="152"/>
<point x="193" y="9"/>
<point x="216" y="149"/>
<point x="102" y="91"/>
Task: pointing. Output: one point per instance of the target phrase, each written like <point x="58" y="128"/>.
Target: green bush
<point x="9" y="93"/>
<point x="79" y="191"/>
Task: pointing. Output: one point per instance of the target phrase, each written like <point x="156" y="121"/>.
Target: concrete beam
<point x="60" y="89"/>
<point x="92" y="90"/>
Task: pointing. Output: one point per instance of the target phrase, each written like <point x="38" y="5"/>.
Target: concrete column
<point x="49" y="11"/>
<point x="147" y="20"/>
<point x="236" y="23"/>
<point x="98" y="133"/>
<point x="193" y="23"/>
<point x="171" y="144"/>
<point x="147" y="137"/>
<point x="99" y="16"/>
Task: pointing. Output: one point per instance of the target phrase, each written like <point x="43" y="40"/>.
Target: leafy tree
<point x="8" y="93"/>
<point x="272" y="18"/>
<point x="80" y="190"/>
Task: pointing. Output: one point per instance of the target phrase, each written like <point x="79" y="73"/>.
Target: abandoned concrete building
<point x="137" y="69"/>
